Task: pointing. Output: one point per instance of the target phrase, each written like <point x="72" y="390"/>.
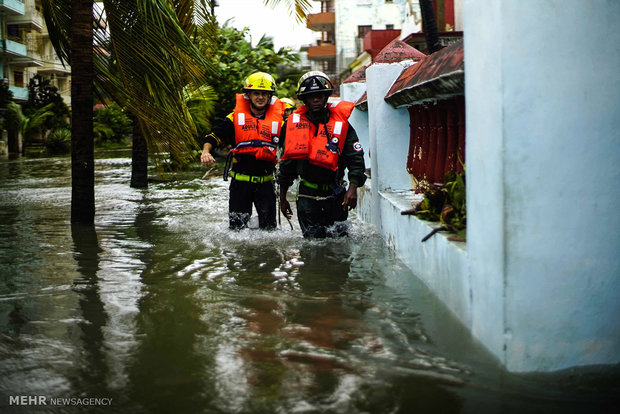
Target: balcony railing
<point x="321" y="52"/>
<point x="32" y="19"/>
<point x="12" y="7"/>
<point x="321" y="22"/>
<point x="12" y="47"/>
<point x="19" y="93"/>
<point x="51" y="64"/>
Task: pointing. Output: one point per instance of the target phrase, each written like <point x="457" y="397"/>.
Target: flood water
<point x="161" y="308"/>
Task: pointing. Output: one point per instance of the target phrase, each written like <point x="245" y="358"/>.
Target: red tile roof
<point x="397" y="51"/>
<point x="357" y="76"/>
<point x="438" y="76"/>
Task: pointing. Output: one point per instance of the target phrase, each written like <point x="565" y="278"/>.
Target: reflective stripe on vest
<point x="320" y="147"/>
<point x="255" y="136"/>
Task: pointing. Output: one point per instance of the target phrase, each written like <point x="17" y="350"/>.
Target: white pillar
<point x="388" y="131"/>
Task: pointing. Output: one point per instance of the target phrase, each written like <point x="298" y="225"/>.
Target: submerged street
<point x="161" y="308"/>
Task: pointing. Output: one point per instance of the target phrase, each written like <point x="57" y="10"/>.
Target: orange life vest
<point x="322" y="147"/>
<point x="257" y="137"/>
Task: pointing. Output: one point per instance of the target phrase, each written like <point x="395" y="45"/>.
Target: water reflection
<point x="92" y="369"/>
<point x="162" y="308"/>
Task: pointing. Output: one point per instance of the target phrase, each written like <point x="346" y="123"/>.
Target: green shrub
<point x="111" y="124"/>
<point x="58" y="141"/>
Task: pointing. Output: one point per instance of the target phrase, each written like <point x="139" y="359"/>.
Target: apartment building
<point x="343" y="25"/>
<point x="26" y="50"/>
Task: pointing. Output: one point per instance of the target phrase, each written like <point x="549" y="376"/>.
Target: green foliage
<point x="6" y="95"/>
<point x="445" y="203"/>
<point x="14" y="117"/>
<point x="201" y="105"/>
<point x="111" y="124"/>
<point x="41" y="93"/>
<point x="234" y="58"/>
<point x="59" y="141"/>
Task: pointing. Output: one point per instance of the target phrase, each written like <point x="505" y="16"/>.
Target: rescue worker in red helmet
<point x="319" y="144"/>
<point x="253" y="130"/>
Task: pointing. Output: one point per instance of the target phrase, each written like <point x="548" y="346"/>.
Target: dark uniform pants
<point x="242" y="195"/>
<point x="321" y="217"/>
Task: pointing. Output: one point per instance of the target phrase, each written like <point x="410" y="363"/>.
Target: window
<point x="12" y="30"/>
<point x="362" y="30"/>
<point x="389" y="27"/>
<point x="18" y="79"/>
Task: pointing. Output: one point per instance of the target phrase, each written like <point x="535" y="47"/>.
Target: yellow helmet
<point x="259" y="81"/>
<point x="288" y="103"/>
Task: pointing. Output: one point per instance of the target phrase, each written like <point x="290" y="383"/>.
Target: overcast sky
<point x="276" y="22"/>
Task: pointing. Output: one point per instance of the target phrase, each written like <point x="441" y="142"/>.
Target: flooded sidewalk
<point x="161" y="308"/>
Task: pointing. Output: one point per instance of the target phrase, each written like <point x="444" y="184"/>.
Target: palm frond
<point x="144" y="57"/>
<point x="147" y="61"/>
<point x="57" y="15"/>
<point x="298" y="7"/>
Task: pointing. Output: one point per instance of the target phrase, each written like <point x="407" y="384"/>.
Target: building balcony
<point x="321" y="22"/>
<point x="322" y="52"/>
<point x="51" y="64"/>
<point x="19" y="93"/>
<point x="31" y="19"/>
<point x="18" y="54"/>
<point x="12" y="7"/>
<point x="12" y="48"/>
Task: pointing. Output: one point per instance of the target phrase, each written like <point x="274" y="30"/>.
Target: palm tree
<point x="29" y="125"/>
<point x="429" y="26"/>
<point x="82" y="136"/>
<point x="146" y="69"/>
<point x="152" y="60"/>
<point x="149" y="61"/>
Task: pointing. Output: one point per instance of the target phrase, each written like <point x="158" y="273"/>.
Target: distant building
<point x="26" y="50"/>
<point x="344" y="24"/>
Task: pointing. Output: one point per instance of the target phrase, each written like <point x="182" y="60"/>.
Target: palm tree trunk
<point x="429" y="26"/>
<point x="82" y="137"/>
<point x="13" y="142"/>
<point x="139" y="158"/>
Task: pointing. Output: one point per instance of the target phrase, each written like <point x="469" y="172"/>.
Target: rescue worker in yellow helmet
<point x="252" y="129"/>
<point x="319" y="145"/>
<point x="289" y="107"/>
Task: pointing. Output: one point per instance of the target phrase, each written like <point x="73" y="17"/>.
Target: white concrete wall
<point x="388" y="130"/>
<point x="389" y="141"/>
<point x="439" y="263"/>
<point x="485" y="226"/>
<point x="359" y="119"/>
<point x="538" y="281"/>
<point x="543" y="116"/>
